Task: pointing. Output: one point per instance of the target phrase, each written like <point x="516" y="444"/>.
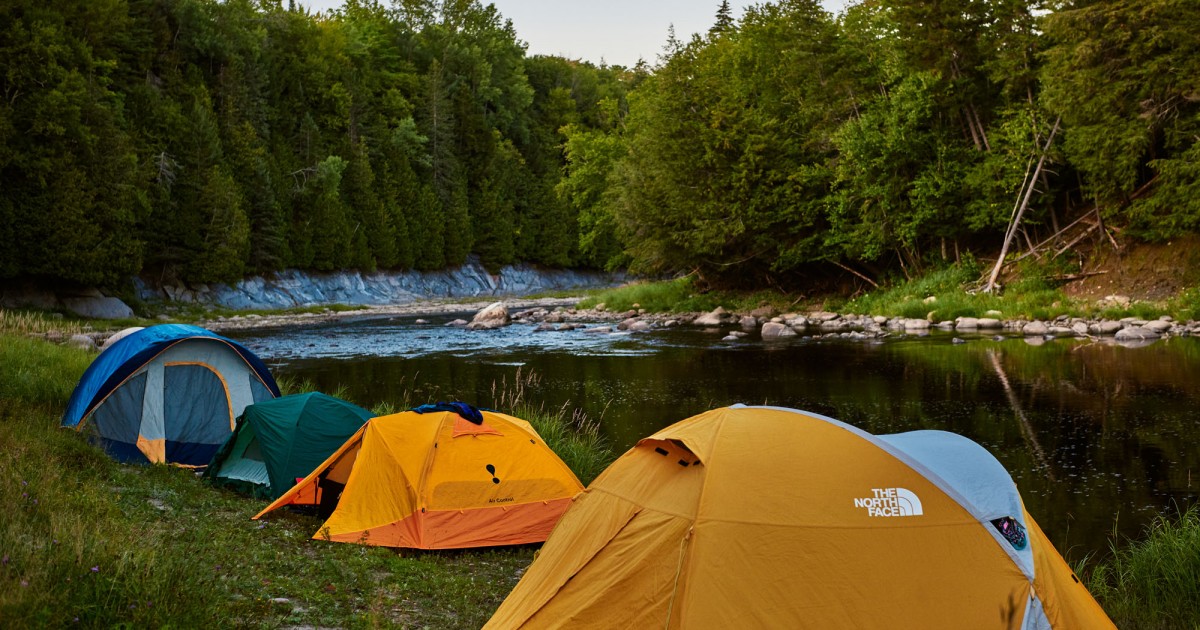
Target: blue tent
<point x="167" y="394"/>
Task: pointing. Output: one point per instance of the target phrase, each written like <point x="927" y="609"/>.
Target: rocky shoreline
<point x="768" y="326"/>
<point x="561" y="315"/>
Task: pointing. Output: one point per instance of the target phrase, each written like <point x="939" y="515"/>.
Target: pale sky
<point x="615" y="31"/>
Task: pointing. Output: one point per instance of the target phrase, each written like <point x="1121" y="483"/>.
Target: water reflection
<point x="1099" y="437"/>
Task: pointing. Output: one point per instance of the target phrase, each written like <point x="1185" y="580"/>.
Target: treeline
<point x="897" y="135"/>
<point x="203" y="140"/>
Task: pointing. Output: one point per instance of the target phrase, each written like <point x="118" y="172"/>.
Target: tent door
<point x="197" y="413"/>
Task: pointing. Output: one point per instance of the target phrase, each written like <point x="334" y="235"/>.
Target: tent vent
<point x="660" y="450"/>
<point x="1012" y="531"/>
<point x="683" y="462"/>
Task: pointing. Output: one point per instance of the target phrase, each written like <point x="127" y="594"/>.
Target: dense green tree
<point x="1124" y="77"/>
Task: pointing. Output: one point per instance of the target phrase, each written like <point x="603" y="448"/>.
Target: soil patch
<point x="1142" y="271"/>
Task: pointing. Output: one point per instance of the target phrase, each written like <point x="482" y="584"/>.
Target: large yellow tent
<point x="438" y="480"/>
<point x="759" y="517"/>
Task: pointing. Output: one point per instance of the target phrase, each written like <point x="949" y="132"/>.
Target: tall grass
<point x="572" y="434"/>
<point x="1155" y="582"/>
<point x="681" y="296"/>
<point x="33" y="322"/>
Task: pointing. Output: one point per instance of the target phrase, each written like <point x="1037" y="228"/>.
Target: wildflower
<point x="24" y="483"/>
<point x="24" y="583"/>
<point x="96" y="569"/>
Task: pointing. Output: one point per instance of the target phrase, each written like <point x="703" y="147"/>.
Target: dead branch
<point x="991" y="283"/>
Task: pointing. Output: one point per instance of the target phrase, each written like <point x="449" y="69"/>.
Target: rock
<point x="967" y="323"/>
<point x="990" y="322"/>
<point x="748" y="322"/>
<point x="566" y="327"/>
<point x="715" y="318"/>
<point x="729" y="338"/>
<point x="421" y="321"/>
<point x="1136" y="333"/>
<point x="1105" y="327"/>
<point x="916" y="324"/>
<point x="772" y="330"/>
<point x="117" y="336"/>
<point x="493" y="316"/>
<point x="1158" y="326"/>
<point x="930" y="300"/>
<point x="83" y="342"/>
<point x="555" y="318"/>
<point x="763" y="312"/>
<point x="1035" y="328"/>
<point x="822" y="316"/>
<point x="1062" y="331"/>
<point x="598" y="330"/>
<point x="639" y="326"/>
<point x="458" y="322"/>
<point x="543" y="327"/>
<point x="97" y="307"/>
<point x="626" y="324"/>
<point x="601" y="307"/>
<point x="1121" y="301"/>
<point x="956" y="341"/>
<point x="993" y="313"/>
<point x="1080" y="328"/>
<point x="879" y="319"/>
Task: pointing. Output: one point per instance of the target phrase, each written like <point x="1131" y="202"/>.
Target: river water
<point x="1099" y="438"/>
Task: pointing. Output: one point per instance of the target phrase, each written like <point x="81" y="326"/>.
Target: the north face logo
<point x="890" y="502"/>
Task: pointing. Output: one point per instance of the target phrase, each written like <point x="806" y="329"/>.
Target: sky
<point x="618" y="32"/>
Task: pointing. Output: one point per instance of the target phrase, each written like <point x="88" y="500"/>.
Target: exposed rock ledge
<point x="288" y="289"/>
<point x="292" y="288"/>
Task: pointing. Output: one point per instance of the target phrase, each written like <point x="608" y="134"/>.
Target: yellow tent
<point x="437" y="480"/>
<point x="759" y="517"/>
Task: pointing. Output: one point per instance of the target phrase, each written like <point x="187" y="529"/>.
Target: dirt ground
<point x="1142" y="271"/>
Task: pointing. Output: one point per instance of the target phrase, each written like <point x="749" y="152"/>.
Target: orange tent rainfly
<point x="760" y="517"/>
<point x="442" y="476"/>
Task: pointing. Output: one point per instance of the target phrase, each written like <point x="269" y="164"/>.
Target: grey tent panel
<point x="195" y="404"/>
<point x="120" y="415"/>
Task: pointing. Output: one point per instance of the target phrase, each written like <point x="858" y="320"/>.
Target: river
<point x="1099" y="438"/>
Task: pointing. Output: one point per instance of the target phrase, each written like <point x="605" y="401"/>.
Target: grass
<point x="941" y="295"/>
<point x="86" y="541"/>
<point x="1154" y="583"/>
<point x="681" y="296"/>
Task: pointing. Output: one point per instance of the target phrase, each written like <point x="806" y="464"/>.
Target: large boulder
<point x="1136" y="333"/>
<point x="117" y="336"/>
<point x="492" y="317"/>
<point x="83" y="342"/>
<point x="715" y="318"/>
<point x="1035" y="328"/>
<point x="97" y="307"/>
<point x="774" y="330"/>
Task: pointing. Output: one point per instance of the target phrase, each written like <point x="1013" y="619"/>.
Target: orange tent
<point x="759" y="517"/>
<point x="437" y="480"/>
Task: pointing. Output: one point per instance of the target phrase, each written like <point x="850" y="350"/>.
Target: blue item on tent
<point x="467" y="412"/>
<point x="168" y="393"/>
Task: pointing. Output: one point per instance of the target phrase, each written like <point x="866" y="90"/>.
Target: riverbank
<point x="142" y="528"/>
<point x="90" y="542"/>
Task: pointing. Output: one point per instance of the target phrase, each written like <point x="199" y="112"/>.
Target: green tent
<point x="278" y="441"/>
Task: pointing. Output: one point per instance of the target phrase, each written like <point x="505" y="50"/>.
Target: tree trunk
<point x="1012" y="229"/>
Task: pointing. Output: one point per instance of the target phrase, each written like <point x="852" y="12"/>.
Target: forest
<point x="204" y="140"/>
